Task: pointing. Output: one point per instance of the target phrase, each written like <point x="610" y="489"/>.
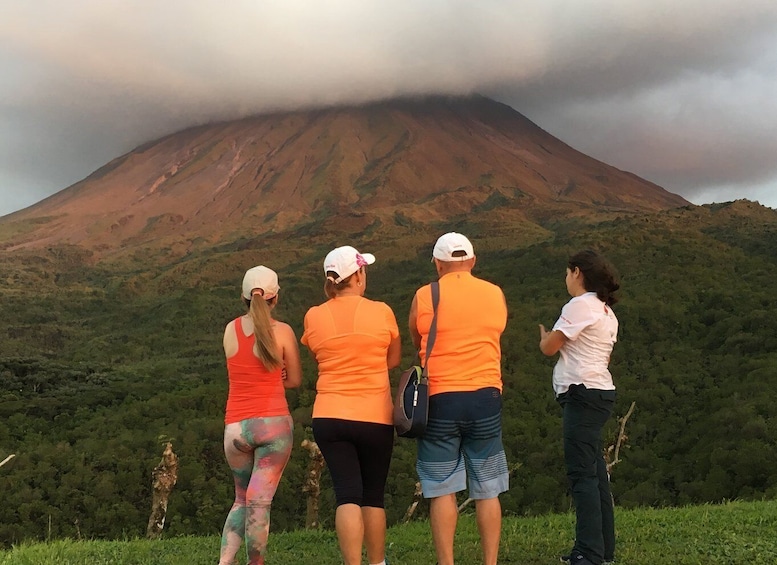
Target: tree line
<point x="96" y="377"/>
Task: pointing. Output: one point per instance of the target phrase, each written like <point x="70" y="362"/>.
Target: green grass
<point x="731" y="533"/>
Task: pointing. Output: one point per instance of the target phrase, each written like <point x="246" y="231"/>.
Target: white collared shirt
<point x="591" y="329"/>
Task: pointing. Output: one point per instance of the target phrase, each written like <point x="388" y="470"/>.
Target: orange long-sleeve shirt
<point x="350" y="336"/>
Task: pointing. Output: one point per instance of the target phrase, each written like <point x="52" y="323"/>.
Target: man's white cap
<point x="345" y="261"/>
<point x="263" y="279"/>
<point x="448" y="243"/>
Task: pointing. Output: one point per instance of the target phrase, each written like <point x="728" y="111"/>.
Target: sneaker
<point x="568" y="559"/>
<point x="575" y="559"/>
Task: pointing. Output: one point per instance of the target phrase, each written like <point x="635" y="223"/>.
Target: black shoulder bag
<point x="411" y="404"/>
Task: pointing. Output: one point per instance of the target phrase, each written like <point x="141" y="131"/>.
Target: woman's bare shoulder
<point x="282" y="329"/>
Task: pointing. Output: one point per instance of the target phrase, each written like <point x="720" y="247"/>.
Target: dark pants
<point x="585" y="413"/>
<point x="358" y="455"/>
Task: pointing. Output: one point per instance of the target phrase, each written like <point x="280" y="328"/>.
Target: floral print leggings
<point x="257" y="450"/>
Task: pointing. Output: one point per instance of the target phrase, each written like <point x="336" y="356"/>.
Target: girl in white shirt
<point x="585" y="335"/>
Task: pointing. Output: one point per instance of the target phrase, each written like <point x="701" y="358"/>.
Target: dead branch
<point x="464" y="504"/>
<point x="7" y="459"/>
<point x="312" y="486"/>
<point x="164" y="477"/>
<point x="417" y="497"/>
<point x="612" y="454"/>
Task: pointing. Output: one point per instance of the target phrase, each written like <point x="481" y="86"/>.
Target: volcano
<point x="389" y="165"/>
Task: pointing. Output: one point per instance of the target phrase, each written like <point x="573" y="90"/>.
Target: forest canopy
<point x="107" y="362"/>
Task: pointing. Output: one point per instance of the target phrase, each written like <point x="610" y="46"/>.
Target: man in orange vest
<point x="462" y="445"/>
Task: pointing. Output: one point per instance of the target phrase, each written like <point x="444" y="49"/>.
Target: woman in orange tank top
<point x="355" y="342"/>
<point x="262" y="361"/>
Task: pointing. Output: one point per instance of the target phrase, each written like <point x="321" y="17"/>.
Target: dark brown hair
<point x="331" y="288"/>
<point x="599" y="275"/>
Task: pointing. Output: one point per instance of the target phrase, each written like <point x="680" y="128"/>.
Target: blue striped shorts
<point x="462" y="445"/>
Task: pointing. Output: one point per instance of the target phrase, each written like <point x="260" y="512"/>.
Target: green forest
<point x="103" y="362"/>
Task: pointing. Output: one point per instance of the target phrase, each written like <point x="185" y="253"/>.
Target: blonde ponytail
<point x="265" y="348"/>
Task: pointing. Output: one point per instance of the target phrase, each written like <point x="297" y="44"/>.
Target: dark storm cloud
<point x="680" y="93"/>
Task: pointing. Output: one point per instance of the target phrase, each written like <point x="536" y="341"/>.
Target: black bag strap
<point x="433" y="328"/>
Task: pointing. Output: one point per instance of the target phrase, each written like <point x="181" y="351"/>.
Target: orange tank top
<point x="254" y="392"/>
<point x="470" y="320"/>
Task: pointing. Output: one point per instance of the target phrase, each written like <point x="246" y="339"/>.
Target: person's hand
<point x="283" y="373"/>
<point x="543" y="332"/>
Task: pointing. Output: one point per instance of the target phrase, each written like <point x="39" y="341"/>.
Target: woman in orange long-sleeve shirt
<point x="355" y="342"/>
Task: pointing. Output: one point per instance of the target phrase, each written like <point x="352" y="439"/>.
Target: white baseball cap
<point x="263" y="279"/>
<point x="345" y="261"/>
<point x="450" y="242"/>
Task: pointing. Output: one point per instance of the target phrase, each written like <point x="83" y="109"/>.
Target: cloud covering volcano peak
<point x="681" y="94"/>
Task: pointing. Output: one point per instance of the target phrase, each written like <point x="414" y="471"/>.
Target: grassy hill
<point x="731" y="533"/>
<point x="100" y="362"/>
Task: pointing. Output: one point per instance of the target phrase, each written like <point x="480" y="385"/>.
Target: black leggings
<point x="358" y="456"/>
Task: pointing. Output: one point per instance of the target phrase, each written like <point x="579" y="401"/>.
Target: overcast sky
<point x="682" y="93"/>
